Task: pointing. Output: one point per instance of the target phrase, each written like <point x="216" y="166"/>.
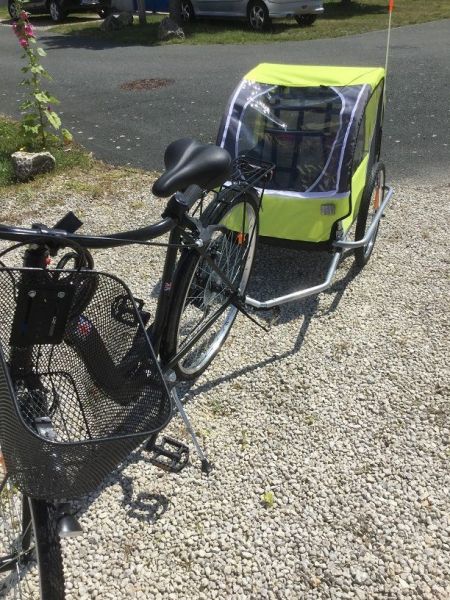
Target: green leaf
<point x="30" y="118"/>
<point x="26" y="104"/>
<point x="67" y="136"/>
<point x="25" y="69"/>
<point x="268" y="499"/>
<point x="53" y="119"/>
<point x="52" y="99"/>
<point x="41" y="51"/>
<point x="37" y="69"/>
<point x="31" y="129"/>
<point x="41" y="97"/>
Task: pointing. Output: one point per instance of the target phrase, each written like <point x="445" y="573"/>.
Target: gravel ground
<point x="341" y="411"/>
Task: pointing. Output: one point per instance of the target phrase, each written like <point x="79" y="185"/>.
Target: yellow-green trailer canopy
<point x="317" y="125"/>
<point x="313" y="76"/>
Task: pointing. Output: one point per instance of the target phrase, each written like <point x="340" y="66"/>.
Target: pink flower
<point x="23" y="42"/>
<point x="24" y="15"/>
<point x="29" y="29"/>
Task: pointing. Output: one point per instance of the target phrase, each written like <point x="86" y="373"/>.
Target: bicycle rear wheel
<point x="30" y="552"/>
<point x="200" y="295"/>
<point x="371" y="201"/>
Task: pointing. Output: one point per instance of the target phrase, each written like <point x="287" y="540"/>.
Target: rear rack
<point x="251" y="172"/>
<point x="246" y="175"/>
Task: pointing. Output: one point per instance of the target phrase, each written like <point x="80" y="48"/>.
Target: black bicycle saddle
<point x="189" y="162"/>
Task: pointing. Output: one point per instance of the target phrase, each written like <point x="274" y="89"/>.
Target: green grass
<point x="338" y="20"/>
<point x="12" y="140"/>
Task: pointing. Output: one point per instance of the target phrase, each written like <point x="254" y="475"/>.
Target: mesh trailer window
<point x="295" y="128"/>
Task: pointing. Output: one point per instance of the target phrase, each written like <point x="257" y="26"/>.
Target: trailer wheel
<point x="371" y="201"/>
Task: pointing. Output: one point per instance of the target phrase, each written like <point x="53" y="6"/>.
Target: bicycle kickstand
<point x="206" y="465"/>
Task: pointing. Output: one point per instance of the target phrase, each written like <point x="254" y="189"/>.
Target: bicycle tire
<point x="195" y="288"/>
<point x="31" y="563"/>
<point x="370" y="199"/>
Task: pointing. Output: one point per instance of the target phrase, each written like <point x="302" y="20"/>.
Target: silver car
<point x="257" y="12"/>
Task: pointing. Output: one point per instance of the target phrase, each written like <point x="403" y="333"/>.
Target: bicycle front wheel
<point x="201" y="298"/>
<point x="30" y="552"/>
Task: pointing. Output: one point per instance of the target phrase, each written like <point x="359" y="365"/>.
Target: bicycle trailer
<point x="321" y="127"/>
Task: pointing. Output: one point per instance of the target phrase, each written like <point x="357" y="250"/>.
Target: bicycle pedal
<point x="170" y="455"/>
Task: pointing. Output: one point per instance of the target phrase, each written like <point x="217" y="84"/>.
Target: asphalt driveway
<point x="134" y="127"/>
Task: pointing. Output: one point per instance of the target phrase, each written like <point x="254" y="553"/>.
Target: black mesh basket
<point x="80" y="386"/>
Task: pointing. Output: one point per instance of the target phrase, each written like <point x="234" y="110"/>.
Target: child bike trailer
<point x="321" y="127"/>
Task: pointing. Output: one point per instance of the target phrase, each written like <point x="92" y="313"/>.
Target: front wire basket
<point x="80" y="385"/>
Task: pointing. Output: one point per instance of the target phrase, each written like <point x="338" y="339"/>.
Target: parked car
<point x="59" y="9"/>
<point x="258" y="13"/>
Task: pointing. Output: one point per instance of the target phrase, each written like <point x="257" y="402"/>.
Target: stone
<point x="359" y="576"/>
<point x="168" y="29"/>
<point x="27" y="165"/>
<point x="116" y="22"/>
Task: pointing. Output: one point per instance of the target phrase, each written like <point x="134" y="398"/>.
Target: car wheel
<point x="305" y="20"/>
<point x="258" y="16"/>
<point x="13" y="9"/>
<point x="56" y="12"/>
<point x="187" y="11"/>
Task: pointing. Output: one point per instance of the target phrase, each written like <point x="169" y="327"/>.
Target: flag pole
<point x="391" y="8"/>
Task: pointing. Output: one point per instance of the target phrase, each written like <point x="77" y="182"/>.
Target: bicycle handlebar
<point x="21" y="234"/>
<point x="178" y="205"/>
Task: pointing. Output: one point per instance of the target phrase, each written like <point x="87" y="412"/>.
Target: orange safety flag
<point x="391" y="5"/>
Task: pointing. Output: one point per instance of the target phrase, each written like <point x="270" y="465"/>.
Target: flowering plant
<point x="37" y="111"/>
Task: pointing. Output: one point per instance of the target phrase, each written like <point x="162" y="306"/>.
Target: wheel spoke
<point x="233" y="252"/>
<point x="17" y="563"/>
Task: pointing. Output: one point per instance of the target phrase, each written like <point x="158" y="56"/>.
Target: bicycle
<point x="85" y="378"/>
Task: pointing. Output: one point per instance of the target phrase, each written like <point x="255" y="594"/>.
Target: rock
<point x="116" y="22"/>
<point x="360" y="577"/>
<point x="29" y="164"/>
<point x="169" y="29"/>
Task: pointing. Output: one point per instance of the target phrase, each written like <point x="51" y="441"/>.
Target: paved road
<point x="126" y="127"/>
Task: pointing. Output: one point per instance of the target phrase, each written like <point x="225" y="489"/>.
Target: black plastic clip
<point x="170" y="455"/>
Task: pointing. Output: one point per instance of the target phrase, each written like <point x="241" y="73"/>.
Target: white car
<point x="257" y="12"/>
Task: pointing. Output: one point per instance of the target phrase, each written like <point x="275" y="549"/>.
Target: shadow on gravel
<point x="280" y="271"/>
<point x="145" y="507"/>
